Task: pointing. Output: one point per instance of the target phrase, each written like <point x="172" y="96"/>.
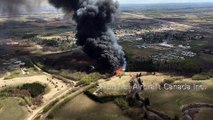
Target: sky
<point x="161" y="1"/>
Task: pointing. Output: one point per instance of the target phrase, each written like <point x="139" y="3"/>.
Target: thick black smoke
<point x="93" y="33"/>
<point x="15" y="7"/>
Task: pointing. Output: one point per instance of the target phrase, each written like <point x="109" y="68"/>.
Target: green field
<point x="18" y="73"/>
<point x="83" y="108"/>
<point x="170" y="101"/>
<point x="205" y="115"/>
<point x="11" y="109"/>
<point x="167" y="101"/>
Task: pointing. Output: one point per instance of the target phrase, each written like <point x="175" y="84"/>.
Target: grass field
<point x="11" y="109"/>
<point x="204" y="115"/>
<point x="83" y="108"/>
<point x="171" y="101"/>
<point x="120" y="86"/>
<point x="18" y="73"/>
<point x="167" y="101"/>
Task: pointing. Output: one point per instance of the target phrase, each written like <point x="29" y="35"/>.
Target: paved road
<point x="54" y="92"/>
<point x="57" y="89"/>
<point x="41" y="108"/>
<point x="78" y="92"/>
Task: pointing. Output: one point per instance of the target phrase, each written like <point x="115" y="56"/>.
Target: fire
<point x="119" y="71"/>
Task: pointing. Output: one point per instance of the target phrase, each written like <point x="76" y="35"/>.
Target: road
<point x="60" y="96"/>
<point x="38" y="78"/>
<point x="54" y="92"/>
<point x="41" y="108"/>
<point x="56" y="96"/>
<point x="57" y="89"/>
<point x="78" y="92"/>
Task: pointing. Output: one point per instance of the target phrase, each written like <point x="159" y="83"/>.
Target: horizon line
<point x="167" y="3"/>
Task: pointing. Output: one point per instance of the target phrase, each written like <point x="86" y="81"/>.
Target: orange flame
<point x="119" y="71"/>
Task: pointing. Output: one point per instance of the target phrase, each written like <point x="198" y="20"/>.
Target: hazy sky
<point x="162" y="1"/>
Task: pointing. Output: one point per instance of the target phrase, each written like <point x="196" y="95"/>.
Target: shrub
<point x="37" y="101"/>
<point x="86" y="80"/>
<point x="78" y="75"/>
<point x="147" y="101"/>
<point x="201" y="77"/>
<point x="13" y="74"/>
<point x="28" y="36"/>
<point x="168" y="81"/>
<point x="28" y="100"/>
<point x="39" y="61"/>
<point x="123" y="104"/>
<point x="176" y="117"/>
<point x="47" y="108"/>
<point x="50" y="116"/>
<point x="72" y="75"/>
<point x="52" y="43"/>
<point x="22" y="102"/>
<point x="161" y="84"/>
<point x="172" y="79"/>
<point x="101" y="98"/>
<point x="176" y="78"/>
<point x="4" y="94"/>
<point x="1" y="106"/>
<point x="35" y="89"/>
<point x="132" y="113"/>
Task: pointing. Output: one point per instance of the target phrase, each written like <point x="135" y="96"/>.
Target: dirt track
<point x="57" y="88"/>
<point x="42" y="79"/>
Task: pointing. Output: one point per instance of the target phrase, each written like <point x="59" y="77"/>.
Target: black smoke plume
<point x="15" y="7"/>
<point x="93" y="31"/>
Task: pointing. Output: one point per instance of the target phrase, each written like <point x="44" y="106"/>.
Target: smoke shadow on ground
<point x="14" y="29"/>
<point x="75" y="60"/>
